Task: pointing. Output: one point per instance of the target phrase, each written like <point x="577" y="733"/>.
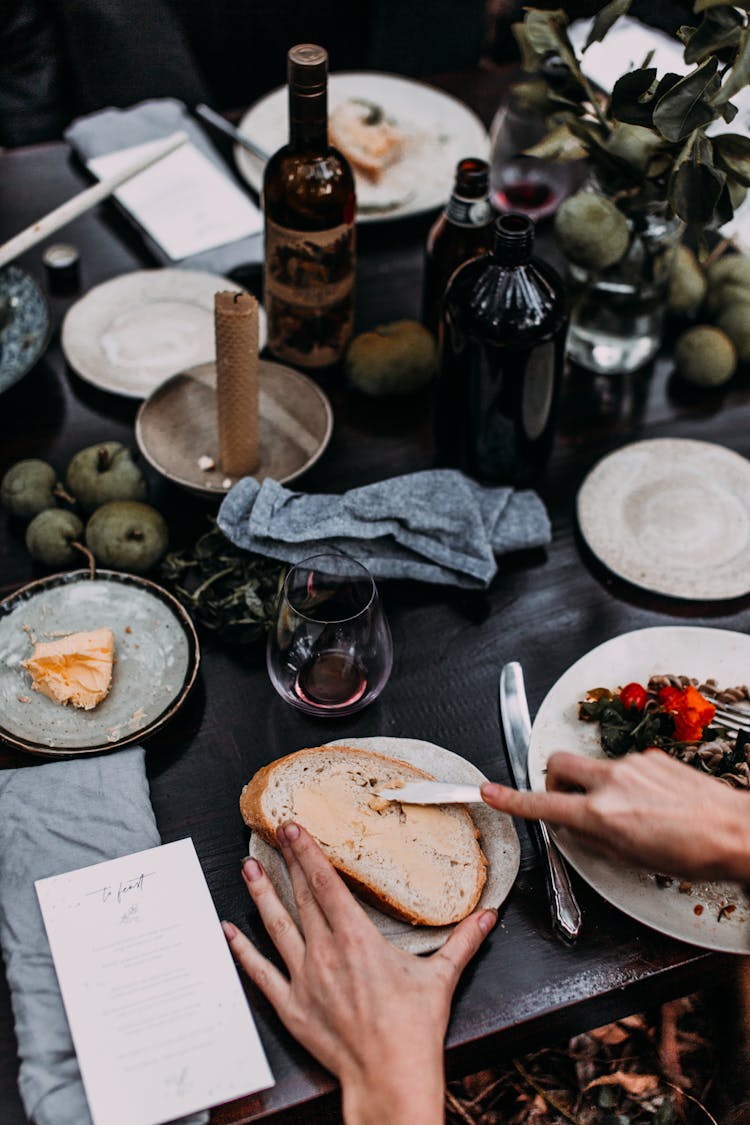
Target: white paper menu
<point x="158" y="1016"/>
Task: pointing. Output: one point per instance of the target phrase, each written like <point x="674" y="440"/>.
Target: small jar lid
<point x="60" y="256"/>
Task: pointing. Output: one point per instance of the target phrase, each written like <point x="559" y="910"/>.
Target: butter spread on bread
<point x="75" y="669"/>
<point x="421" y="864"/>
<point x="367" y="139"/>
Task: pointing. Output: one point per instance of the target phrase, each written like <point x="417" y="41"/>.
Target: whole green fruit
<point x="591" y="231"/>
<point x="127" y="535"/>
<point x="49" y="537"/>
<point x="735" y="321"/>
<point x="28" y="488"/>
<point x="728" y="282"/>
<point x="392" y="359"/>
<point x="104" y="472"/>
<point x="687" y="284"/>
<point x="705" y="356"/>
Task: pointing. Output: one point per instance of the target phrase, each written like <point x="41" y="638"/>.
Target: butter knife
<point x="516" y="724"/>
<point x="433" y="793"/>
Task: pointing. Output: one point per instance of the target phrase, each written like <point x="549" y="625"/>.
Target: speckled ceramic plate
<point x="681" y="650"/>
<point x="671" y="515"/>
<point x="131" y="333"/>
<point x="439" y="131"/>
<point x="497" y="837"/>
<point x="156" y="661"/>
<point x="25" y="313"/>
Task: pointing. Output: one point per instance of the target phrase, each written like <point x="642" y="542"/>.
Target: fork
<point x="729" y="714"/>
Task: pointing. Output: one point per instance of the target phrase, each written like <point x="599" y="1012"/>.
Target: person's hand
<point x="373" y="1015"/>
<point x="645" y="808"/>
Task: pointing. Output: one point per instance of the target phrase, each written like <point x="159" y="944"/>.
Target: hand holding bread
<point x="372" y="1014"/>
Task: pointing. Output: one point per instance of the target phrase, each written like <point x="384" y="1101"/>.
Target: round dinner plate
<point x="156" y="661"/>
<point x="24" y="313"/>
<point x="671" y="515"/>
<point x="129" y="334"/>
<point x="635" y="657"/>
<point x="439" y="131"/>
<point x="497" y="837"/>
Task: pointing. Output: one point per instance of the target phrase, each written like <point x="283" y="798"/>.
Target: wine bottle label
<point x="468" y="212"/>
<point x="309" y="292"/>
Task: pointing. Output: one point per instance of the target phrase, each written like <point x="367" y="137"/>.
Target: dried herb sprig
<point x="232" y="592"/>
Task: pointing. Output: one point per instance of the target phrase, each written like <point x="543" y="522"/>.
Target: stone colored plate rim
<point x="28" y="592"/>
<point x="12" y="373"/>
<point x="498" y="839"/>
<point x="196" y="484"/>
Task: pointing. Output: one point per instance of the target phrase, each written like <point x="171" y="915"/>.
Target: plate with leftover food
<point x="24" y="324"/>
<point x="658" y="687"/>
<point x="91" y="663"/>
<point x="402" y="138"/>
<point x="417" y="870"/>
<point x="671" y="515"/>
<point x="129" y="334"/>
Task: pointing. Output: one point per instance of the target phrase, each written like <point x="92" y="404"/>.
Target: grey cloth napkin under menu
<point x="433" y="526"/>
<point x="111" y="129"/>
<point x="54" y="818"/>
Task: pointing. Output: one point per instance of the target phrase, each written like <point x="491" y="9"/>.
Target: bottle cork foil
<point x="236" y="327"/>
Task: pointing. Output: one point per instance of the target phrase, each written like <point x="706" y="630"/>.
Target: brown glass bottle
<point x="309" y="209"/>
<point x="462" y="231"/>
<point x="503" y="339"/>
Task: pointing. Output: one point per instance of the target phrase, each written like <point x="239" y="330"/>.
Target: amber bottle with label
<point x="309" y="209"/>
<point x="503" y="339"/>
<point x="462" y="231"/>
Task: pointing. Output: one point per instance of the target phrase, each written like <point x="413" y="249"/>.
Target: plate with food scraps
<point x="714" y="915"/>
<point x="497" y="838"/>
<point x="671" y="515"/>
<point x="129" y="334"/>
<point x="156" y="658"/>
<point x="403" y="139"/>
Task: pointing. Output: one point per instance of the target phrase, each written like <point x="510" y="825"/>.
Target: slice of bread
<point x="367" y="139"/>
<point x="422" y="864"/>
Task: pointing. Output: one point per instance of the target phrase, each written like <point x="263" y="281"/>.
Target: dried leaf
<point x="611" y="1034"/>
<point x="627" y="103"/>
<point x="635" y="1084"/>
<point x="739" y="75"/>
<point x="718" y="30"/>
<point x="704" y="5"/>
<point x="605" y="19"/>
<point x="687" y="106"/>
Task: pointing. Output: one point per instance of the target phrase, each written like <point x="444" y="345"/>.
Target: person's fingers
<point x="312" y="919"/>
<point x="273" y="984"/>
<point x="558" y="808"/>
<point x="282" y="930"/>
<point x="463" y="944"/>
<point x="331" y="894"/>
<point x="568" y="771"/>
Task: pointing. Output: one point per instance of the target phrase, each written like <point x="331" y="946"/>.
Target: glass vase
<point x="617" y="314"/>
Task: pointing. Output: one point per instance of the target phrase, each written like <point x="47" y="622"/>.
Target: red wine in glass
<point x="331" y="679"/>
<point x="536" y="197"/>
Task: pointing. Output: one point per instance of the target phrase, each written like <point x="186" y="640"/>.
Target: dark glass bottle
<point x="462" y="231"/>
<point x="503" y="338"/>
<point x="309" y="209"/>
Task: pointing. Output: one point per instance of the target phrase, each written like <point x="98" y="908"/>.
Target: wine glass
<point x="330" y="651"/>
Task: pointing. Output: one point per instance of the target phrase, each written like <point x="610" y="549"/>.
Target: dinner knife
<point x="211" y="117"/>
<point x="516" y="725"/>
<point x="432" y="793"/>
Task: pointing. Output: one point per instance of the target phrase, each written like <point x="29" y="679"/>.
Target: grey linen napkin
<point x="55" y="818"/>
<point x="112" y="129"/>
<point x="433" y="526"/>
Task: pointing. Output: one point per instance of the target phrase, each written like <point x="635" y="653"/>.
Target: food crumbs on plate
<point x="725" y="911"/>
<point x="206" y="463"/>
<point x="698" y="909"/>
<point x="23" y="698"/>
<point x="128" y="629"/>
<point x="685" y="888"/>
<point x="113" y="733"/>
<point x="138" y="715"/>
<point x="136" y="645"/>
<point x="227" y="482"/>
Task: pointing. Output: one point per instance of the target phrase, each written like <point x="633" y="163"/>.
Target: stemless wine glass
<point x="329" y="651"/>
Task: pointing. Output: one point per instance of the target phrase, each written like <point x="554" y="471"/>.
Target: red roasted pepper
<point x="690" y="711"/>
<point x="633" y="695"/>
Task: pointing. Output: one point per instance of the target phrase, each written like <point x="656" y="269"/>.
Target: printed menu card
<point x="158" y="1016"/>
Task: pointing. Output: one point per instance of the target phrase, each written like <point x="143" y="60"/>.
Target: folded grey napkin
<point x="55" y="818"/>
<point x="113" y="129"/>
<point x="433" y="526"/>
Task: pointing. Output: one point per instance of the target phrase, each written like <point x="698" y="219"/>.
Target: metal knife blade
<point x="433" y="793"/>
<point x="516" y="724"/>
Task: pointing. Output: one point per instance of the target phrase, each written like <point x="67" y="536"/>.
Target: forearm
<point x="414" y="1097"/>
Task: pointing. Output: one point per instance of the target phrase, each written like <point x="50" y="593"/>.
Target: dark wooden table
<point x="545" y="609"/>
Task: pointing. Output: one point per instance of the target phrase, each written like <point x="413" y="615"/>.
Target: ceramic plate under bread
<point x="497" y="837"/>
<point x="156" y="661"/>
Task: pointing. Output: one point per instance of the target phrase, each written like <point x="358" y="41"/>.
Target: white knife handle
<point x="566" y="913"/>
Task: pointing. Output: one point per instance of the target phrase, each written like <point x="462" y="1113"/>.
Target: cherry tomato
<point x="633" y="695"/>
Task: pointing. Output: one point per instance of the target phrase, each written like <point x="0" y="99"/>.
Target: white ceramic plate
<point x="440" y="130"/>
<point x="129" y="334"/>
<point x="671" y="515"/>
<point x="497" y="837"/>
<point x="156" y="661"/>
<point x="682" y="650"/>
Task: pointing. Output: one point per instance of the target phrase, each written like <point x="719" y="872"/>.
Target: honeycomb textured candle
<point x="75" y="669"/>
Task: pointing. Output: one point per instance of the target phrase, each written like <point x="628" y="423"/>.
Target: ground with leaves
<point x="641" y="1070"/>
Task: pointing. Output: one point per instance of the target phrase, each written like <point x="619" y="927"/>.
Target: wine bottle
<point x="309" y="209"/>
<point x="463" y="230"/>
<point x="503" y="339"/>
